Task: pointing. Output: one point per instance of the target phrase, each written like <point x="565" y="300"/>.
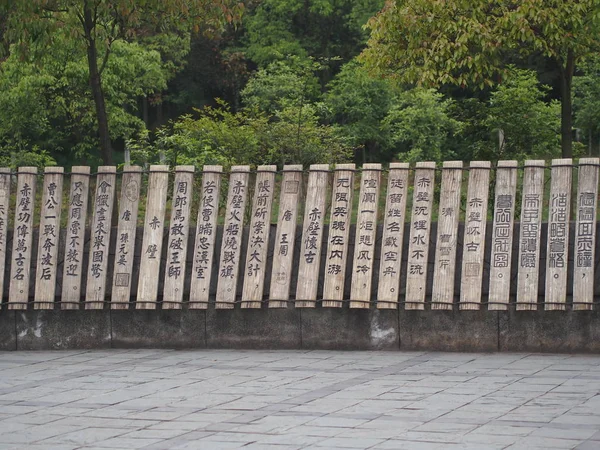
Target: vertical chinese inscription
<point x="418" y="250"/>
<point x="4" y="205"/>
<point x="206" y="230"/>
<point x="559" y="214"/>
<point x="258" y="242"/>
<point x="585" y="234"/>
<point x="339" y="232"/>
<point x="100" y="237"/>
<point x="474" y="240"/>
<point x="447" y="232"/>
<point x="45" y="284"/>
<point x="366" y="227"/>
<point x="229" y="264"/>
<point x="529" y="239"/>
<point x="21" y="251"/>
<point x="312" y="236"/>
<point x="179" y="227"/>
<point x="502" y="235"/>
<point x="283" y="254"/>
<point x="158" y="182"/>
<point x="126" y="233"/>
<point x="393" y="234"/>
<point x="76" y="222"/>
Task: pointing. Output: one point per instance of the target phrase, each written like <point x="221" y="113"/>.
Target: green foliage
<point x="46" y="104"/>
<point x="281" y="85"/>
<point x="586" y="101"/>
<point x="531" y="126"/>
<point x="219" y="136"/>
<point x="358" y="103"/>
<point x="420" y="126"/>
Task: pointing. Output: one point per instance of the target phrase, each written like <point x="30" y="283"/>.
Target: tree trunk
<point x="566" y="106"/>
<point x="96" y="86"/>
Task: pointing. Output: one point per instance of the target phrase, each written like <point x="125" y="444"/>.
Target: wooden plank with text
<point x="392" y="240"/>
<point x="104" y="200"/>
<point x="312" y="236"/>
<point x="4" y="208"/>
<point x="154" y="225"/>
<point x="529" y="236"/>
<point x="76" y="223"/>
<point x="557" y="245"/>
<point x="206" y="232"/>
<point x="474" y="240"/>
<point x="418" y="250"/>
<point x="283" y="254"/>
<point x="364" y="243"/>
<point x="179" y="227"/>
<point x="126" y="233"/>
<point x="258" y="242"/>
<point x="231" y="247"/>
<point x="339" y="235"/>
<point x="447" y="235"/>
<point x="48" y="240"/>
<point x="585" y="234"/>
<point x="502" y="235"/>
<point x="20" y="269"/>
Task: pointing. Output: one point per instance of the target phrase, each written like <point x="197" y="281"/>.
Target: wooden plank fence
<point x="464" y="236"/>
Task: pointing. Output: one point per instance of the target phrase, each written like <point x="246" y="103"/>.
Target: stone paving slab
<point x="283" y="400"/>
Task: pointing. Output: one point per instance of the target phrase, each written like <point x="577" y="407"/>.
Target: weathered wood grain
<point x="283" y="254"/>
<point x="206" y="231"/>
<point x="154" y="225"/>
<point x="585" y="234"/>
<point x="447" y="235"/>
<point x="529" y="236"/>
<point x="258" y="242"/>
<point x="364" y="243"/>
<point x="312" y="236"/>
<point x="339" y="234"/>
<point x="418" y="250"/>
<point x="229" y="264"/>
<point x="76" y="223"/>
<point x="474" y="241"/>
<point x="392" y="240"/>
<point x="48" y="242"/>
<point x="179" y="227"/>
<point x="557" y="244"/>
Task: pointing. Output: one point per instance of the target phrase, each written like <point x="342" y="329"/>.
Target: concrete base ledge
<point x="304" y="328"/>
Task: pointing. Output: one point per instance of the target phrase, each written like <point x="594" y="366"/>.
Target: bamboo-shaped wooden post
<point x="76" y="224"/>
<point x="339" y="234"/>
<point x="4" y="207"/>
<point x="49" y="233"/>
<point x="474" y="240"/>
<point x="154" y="225"/>
<point x="22" y="239"/>
<point x="447" y="235"/>
<point x="258" y="242"/>
<point x="502" y="235"/>
<point x="178" y="237"/>
<point x="557" y="244"/>
<point x="585" y="234"/>
<point x="229" y="264"/>
<point x="364" y="244"/>
<point x="529" y="239"/>
<point x="126" y="234"/>
<point x="283" y="255"/>
<point x="206" y="232"/>
<point x="393" y="237"/>
<point x="100" y="240"/>
<point x="418" y="251"/>
<point x="312" y="236"/>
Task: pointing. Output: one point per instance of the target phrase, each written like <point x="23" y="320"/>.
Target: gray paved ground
<point x="154" y="399"/>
